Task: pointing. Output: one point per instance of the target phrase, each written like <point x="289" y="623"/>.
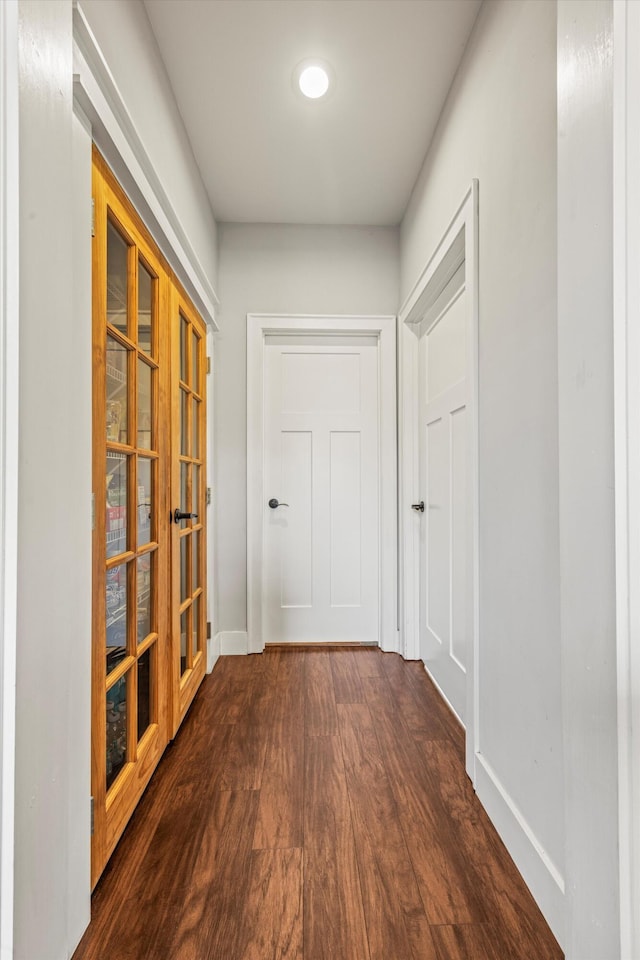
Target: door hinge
<point x="208" y="496"/>
<point x="208" y="364"/>
<point x="93" y="217"/>
<point x="92" y="819"/>
<point x="208" y="629"/>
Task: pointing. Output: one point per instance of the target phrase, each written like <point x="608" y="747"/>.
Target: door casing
<point x="259" y="326"/>
<point x="458" y="245"/>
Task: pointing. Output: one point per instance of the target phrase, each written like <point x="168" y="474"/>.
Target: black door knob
<point x="418" y="506"/>
<point x="273" y="503"/>
<point x="179" y="515"/>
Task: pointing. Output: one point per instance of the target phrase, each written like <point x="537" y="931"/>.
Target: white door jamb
<point x="626" y="333"/>
<point x="9" y="329"/>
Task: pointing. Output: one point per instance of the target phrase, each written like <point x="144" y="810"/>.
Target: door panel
<point x="345" y="466"/>
<point x="445" y="607"/>
<point x="321" y="463"/>
<point x="296" y="484"/>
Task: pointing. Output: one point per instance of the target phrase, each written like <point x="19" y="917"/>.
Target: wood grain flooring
<point x="314" y="806"/>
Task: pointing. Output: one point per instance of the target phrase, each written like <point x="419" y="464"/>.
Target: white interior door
<point x="321" y="464"/>
<point x="446" y="549"/>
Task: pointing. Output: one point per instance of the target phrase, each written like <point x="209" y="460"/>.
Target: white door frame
<point x="443" y="264"/>
<point x="9" y="329"/>
<point x="626" y="332"/>
<point x="259" y="326"/>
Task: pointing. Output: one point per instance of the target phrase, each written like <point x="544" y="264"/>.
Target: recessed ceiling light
<point x="314" y="82"/>
<point x="313" y="78"/>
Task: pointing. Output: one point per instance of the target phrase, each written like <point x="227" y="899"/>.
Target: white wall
<point x="278" y="269"/>
<point x="499" y="125"/>
<point x="125" y="36"/>
<point x="54" y="549"/>
<point x="587" y="563"/>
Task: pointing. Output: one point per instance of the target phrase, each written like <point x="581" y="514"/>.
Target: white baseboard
<point x="539" y="872"/>
<point x="233" y="643"/>
<point x="213" y="651"/>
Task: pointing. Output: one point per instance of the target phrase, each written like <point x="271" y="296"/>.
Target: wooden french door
<point x="189" y="502"/>
<point x="140" y="686"/>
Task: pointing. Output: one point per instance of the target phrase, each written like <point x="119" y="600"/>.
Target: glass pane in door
<point x="184" y="627"/>
<point x="145" y="500"/>
<point x="116" y="382"/>
<point x="116" y="519"/>
<point x="116" y="704"/>
<point x="117" y="280"/>
<point x="195" y="428"/>
<point x="145" y="679"/>
<point x="116" y="613"/>
<point x="144" y="596"/>
<point x="195" y="627"/>
<point x="146" y="287"/>
<point x="195" y="560"/>
<point x="184" y="423"/>
<point x="184" y="573"/>
<point x="145" y="405"/>
<point x="184" y="340"/>
<point x="195" y="362"/>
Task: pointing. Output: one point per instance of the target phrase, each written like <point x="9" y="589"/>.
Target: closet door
<point x="188" y="463"/>
<point x="131" y="542"/>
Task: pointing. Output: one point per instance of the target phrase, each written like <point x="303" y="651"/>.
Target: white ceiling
<point x="266" y="154"/>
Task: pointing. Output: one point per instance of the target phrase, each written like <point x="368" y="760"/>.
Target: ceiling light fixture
<point x="313" y="78"/>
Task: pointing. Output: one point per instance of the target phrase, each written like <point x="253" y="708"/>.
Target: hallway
<point x="314" y="805"/>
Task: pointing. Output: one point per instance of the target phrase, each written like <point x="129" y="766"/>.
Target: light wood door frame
<point x="458" y="245"/>
<point x="259" y="326"/>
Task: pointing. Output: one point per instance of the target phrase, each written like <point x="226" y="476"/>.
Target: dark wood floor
<point x="314" y="805"/>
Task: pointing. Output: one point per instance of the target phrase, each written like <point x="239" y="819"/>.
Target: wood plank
<point x="245" y="758"/>
<point x="320" y="719"/>
<point x="207" y="924"/>
<point x="291" y="666"/>
<point x="522" y="926"/>
<point x="427" y="695"/>
<point x="449" y="888"/>
<point x="420" y="714"/>
<point x="334" y="924"/>
<point x="346" y="681"/>
<point x="369" y="661"/>
<point x="396" y="922"/>
<point x="280" y="810"/>
<point x="272" y="921"/>
<point x="476" y="941"/>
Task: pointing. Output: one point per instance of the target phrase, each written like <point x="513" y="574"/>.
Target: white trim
<point x="626" y="322"/>
<point x="9" y="398"/>
<point x="115" y="134"/>
<point x="260" y="326"/>
<point x="442" y="265"/>
<point x="213" y="651"/>
<point x="232" y="643"/>
<point x="534" y="863"/>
